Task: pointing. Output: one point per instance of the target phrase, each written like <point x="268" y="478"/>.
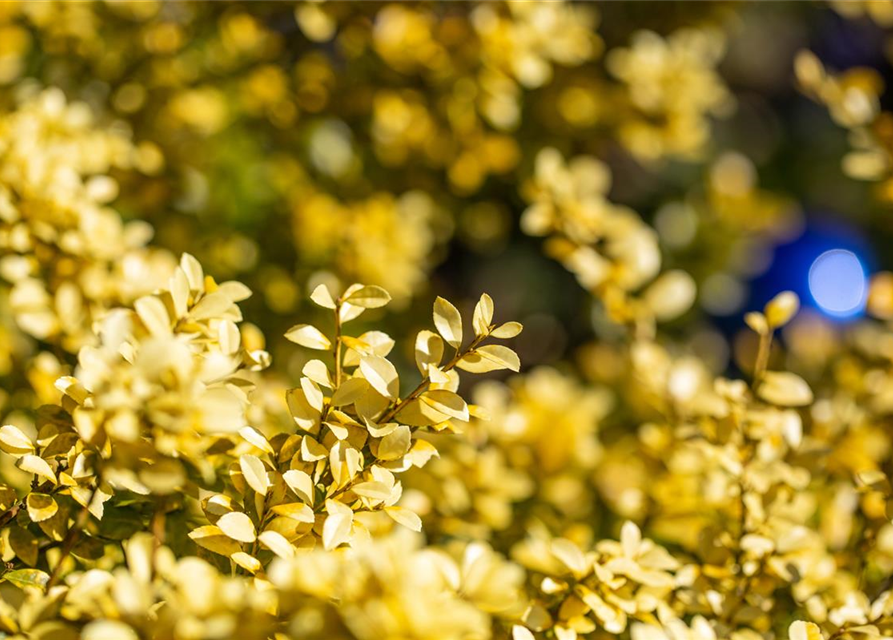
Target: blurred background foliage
<point x="395" y="143"/>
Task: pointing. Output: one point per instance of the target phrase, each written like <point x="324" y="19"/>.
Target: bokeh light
<point x="837" y="283"/>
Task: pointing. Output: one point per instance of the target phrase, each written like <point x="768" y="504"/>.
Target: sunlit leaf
<point x="381" y="374"/>
<point x="41" y="507"/>
<point x="237" y="526"/>
<point x="448" y="322"/>
<point x="336" y="529"/>
<point x="255" y="473"/>
<point x="323" y="297"/>
<point x="369" y="297"/>
<point x="405" y="517"/>
<point x="491" y="357"/>
<point x="14" y="441"/>
<point x="213" y="539"/>
<point x="483" y="316"/>
<point x="785" y="389"/>
<point x="308" y="336"/>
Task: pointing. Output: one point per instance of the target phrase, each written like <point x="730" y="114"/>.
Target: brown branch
<point x="426" y="381"/>
<point x="415" y="393"/>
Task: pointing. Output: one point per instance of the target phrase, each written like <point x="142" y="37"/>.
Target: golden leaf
<point x="153" y="315"/>
<point x="405" y="517"/>
<point x="781" y="309"/>
<point x="237" y="526"/>
<point x="277" y="543"/>
<point x="507" y="330"/>
<point x="336" y="529"/>
<point x="323" y="297"/>
<point x="308" y="336"/>
<point x="368" y="296"/>
<point x="448" y="322"/>
<point x="39" y="466"/>
<point x="800" y="630"/>
<point x="381" y="374"/>
<point x="428" y="350"/>
<point x="14" y="441"/>
<point x="483" y="316"/>
<point x="213" y="539"/>
<point x="446" y="402"/>
<point x="255" y="473"/>
<point x="246" y="561"/>
<point x="395" y="444"/>
<point x="41" y="507"/>
<point x="785" y="389"/>
<point x="491" y="357"/>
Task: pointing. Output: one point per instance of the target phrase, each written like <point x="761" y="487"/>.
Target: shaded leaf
<point x="27" y="578"/>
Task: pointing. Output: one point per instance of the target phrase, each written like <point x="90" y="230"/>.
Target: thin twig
<point x="426" y="381"/>
<point x="71" y="537"/>
<point x="419" y="390"/>
<point x="338" y="343"/>
<point x="158" y="522"/>
<point x="762" y="361"/>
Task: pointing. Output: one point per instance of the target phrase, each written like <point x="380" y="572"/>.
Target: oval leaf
<point x="369" y="297"/>
<point x="237" y="526"/>
<point x="381" y="374"/>
<point x="402" y="515"/>
<point x="483" y="316"/>
<point x="785" y="389"/>
<point x="308" y="336"/>
<point x="448" y="322"/>
<point x="255" y="473"/>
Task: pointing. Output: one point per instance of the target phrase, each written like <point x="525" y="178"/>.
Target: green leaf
<point x="28" y="578"/>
